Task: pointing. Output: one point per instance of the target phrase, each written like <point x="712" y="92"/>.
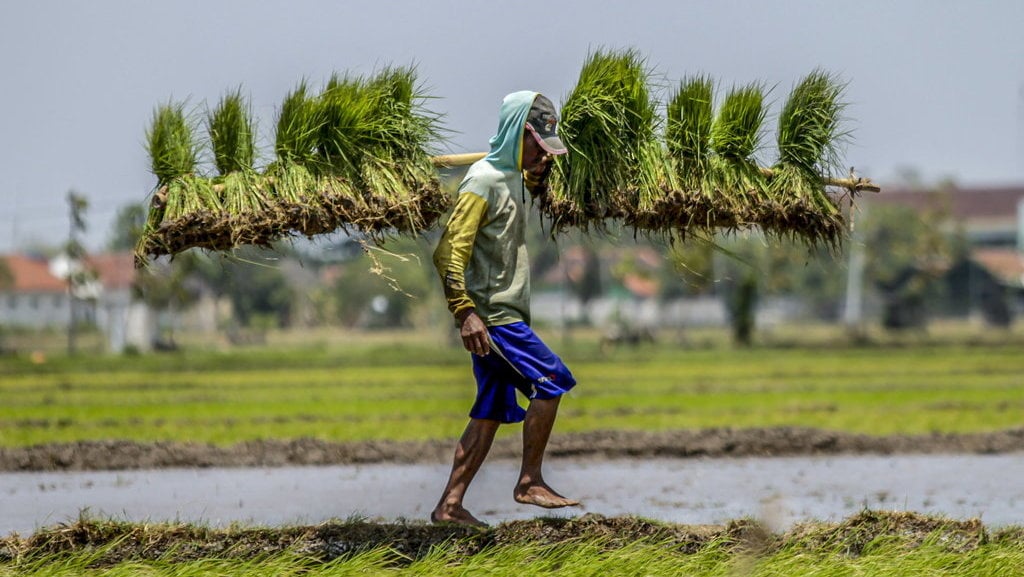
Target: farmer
<point x="484" y="268"/>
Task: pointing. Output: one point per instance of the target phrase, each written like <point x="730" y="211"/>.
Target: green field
<point x="411" y="390"/>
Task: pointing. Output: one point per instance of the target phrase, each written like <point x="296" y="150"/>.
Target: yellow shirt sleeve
<point x="456" y="247"/>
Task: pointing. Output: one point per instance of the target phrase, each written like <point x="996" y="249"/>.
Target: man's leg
<point x="532" y="489"/>
<point x="469" y="455"/>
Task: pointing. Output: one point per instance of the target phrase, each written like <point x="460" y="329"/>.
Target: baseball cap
<point x="542" y="122"/>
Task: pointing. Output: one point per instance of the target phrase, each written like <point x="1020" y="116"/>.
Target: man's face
<point x="535" y="158"/>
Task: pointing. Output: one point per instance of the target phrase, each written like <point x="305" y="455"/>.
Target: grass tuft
<point x="873" y="543"/>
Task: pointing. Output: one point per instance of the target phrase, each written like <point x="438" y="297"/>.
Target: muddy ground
<point x="761" y="442"/>
<point x="113" y="542"/>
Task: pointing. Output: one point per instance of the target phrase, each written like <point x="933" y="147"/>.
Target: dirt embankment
<point x="764" y="442"/>
<point x="111" y="542"/>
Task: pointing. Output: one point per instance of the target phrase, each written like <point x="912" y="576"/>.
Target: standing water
<point x="779" y="491"/>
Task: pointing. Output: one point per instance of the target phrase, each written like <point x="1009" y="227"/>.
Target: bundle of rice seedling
<point x="374" y="139"/>
<point x="609" y="127"/>
<point x="739" y="186"/>
<point x="299" y="122"/>
<point x="232" y="134"/>
<point x="697" y="202"/>
<point x="171" y="142"/>
<point x="244" y="217"/>
<point x="173" y="151"/>
<point x="292" y="179"/>
<point x="193" y="217"/>
<point x="355" y="156"/>
<point x="691" y="114"/>
<point x="809" y="137"/>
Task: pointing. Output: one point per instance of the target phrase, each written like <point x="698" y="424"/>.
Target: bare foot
<point x="454" y="515"/>
<point x="541" y="495"/>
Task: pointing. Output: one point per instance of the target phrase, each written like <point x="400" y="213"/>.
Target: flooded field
<point x="779" y="491"/>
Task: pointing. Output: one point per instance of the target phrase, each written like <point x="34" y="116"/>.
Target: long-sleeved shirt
<point x="482" y="257"/>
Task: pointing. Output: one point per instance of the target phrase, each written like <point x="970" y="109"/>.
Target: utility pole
<point x="75" y="253"/>
<point x="853" y="312"/>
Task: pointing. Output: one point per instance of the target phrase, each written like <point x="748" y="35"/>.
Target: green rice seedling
<point x="810" y="126"/>
<point x="697" y="203"/>
<point x="608" y="124"/>
<point x="407" y="129"/>
<point x="345" y="113"/>
<point x="690" y="113"/>
<point x="810" y="137"/>
<point x="736" y="138"/>
<point x="299" y="123"/>
<point x="400" y="168"/>
<point x="182" y="198"/>
<point x="288" y="185"/>
<point x="171" y="142"/>
<point x="173" y="151"/>
<point x="240" y="212"/>
<point x="232" y="134"/>
<point x="375" y="135"/>
<point x="194" y="216"/>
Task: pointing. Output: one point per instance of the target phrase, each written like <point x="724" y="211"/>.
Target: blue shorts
<point x="518" y="360"/>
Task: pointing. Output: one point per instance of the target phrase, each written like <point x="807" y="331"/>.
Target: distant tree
<point x="690" y="269"/>
<point x="906" y="252"/>
<point x="165" y="288"/>
<point x="743" y="308"/>
<point x="585" y="284"/>
<point x="127" y="227"/>
<point x="77" y="274"/>
<point x="6" y="276"/>
<point x="386" y="286"/>
<point x="258" y="290"/>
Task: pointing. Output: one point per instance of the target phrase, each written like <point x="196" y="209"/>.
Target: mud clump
<point x="719" y="442"/>
<point x="854" y="535"/>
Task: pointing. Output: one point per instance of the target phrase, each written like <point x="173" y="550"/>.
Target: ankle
<point x="449" y="504"/>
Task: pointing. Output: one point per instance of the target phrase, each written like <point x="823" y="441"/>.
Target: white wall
<point x="34" y="310"/>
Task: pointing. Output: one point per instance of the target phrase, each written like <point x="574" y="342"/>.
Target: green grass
<point x="575" y="559"/>
<point x="418" y="392"/>
<point x="870" y="543"/>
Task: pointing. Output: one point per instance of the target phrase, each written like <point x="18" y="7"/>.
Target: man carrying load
<point x="485" y="270"/>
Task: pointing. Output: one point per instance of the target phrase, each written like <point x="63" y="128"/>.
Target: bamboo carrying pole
<point x="851" y="183"/>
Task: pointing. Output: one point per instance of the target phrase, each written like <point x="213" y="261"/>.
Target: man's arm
<point x="451" y="259"/>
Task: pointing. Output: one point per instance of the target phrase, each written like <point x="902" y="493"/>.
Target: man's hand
<point x="474" y="334"/>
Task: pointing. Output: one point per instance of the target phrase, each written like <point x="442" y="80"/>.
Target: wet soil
<point x="723" y="442"/>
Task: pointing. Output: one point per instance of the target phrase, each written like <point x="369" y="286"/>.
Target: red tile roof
<point x="32" y="276"/>
<point x="964" y="203"/>
<point x="115" y="270"/>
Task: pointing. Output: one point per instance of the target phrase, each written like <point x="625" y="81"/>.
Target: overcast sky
<point x="936" y="86"/>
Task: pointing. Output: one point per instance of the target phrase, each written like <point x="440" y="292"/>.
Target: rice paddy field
<point x="383" y="388"/>
<point x="416" y="390"/>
